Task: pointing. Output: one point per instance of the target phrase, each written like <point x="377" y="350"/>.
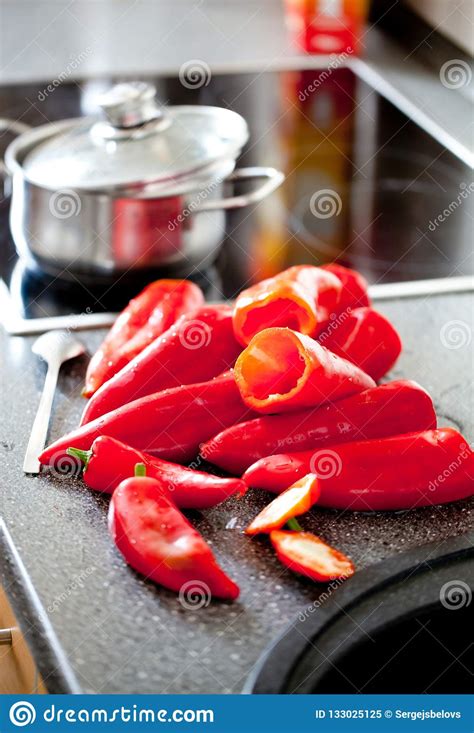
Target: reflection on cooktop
<point x="364" y="185"/>
<point x="35" y="295"/>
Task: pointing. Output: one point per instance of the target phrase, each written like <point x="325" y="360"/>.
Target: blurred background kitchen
<point x="366" y="107"/>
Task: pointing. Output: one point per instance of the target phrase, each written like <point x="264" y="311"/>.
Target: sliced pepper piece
<point x="199" y="346"/>
<point x="282" y="370"/>
<point x="400" y="472"/>
<point x="159" y="542"/>
<point x="296" y="500"/>
<point x="389" y="409"/>
<point x="299" y="297"/>
<point x="366" y="338"/>
<point x="171" y="424"/>
<point x="109" y="462"/>
<point x="307" y="554"/>
<point x="354" y="292"/>
<point x="147" y="316"/>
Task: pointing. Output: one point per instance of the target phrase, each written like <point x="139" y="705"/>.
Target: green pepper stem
<point x="294" y="525"/>
<point x="83" y="455"/>
<point x="140" y="469"/>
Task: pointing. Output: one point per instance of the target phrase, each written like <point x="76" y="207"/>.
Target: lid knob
<point x="130" y="104"/>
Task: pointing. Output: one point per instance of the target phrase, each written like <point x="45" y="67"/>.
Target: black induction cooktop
<point x="364" y="185"/>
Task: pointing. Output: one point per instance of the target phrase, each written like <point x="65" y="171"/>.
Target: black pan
<point x="402" y="626"/>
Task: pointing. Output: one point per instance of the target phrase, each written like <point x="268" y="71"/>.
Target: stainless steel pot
<point x="142" y="187"/>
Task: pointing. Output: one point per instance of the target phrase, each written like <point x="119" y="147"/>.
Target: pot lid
<point x="137" y="143"/>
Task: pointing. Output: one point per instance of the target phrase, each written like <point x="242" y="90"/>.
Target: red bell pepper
<point x="171" y="424"/>
<point x="300" y="298"/>
<point x="308" y="555"/>
<point x="354" y="287"/>
<point x="296" y="500"/>
<point x="366" y="338"/>
<point x="109" y="462"/>
<point x="199" y="346"/>
<point x="282" y="370"/>
<point x="390" y="409"/>
<point x="147" y="316"/>
<point x="401" y="472"/>
<point x="159" y="542"/>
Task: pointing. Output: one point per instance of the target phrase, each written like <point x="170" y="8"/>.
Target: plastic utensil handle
<point x="39" y="431"/>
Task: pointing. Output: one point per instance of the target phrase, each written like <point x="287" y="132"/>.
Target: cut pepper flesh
<point x="296" y="500"/>
<point x="307" y="554"/>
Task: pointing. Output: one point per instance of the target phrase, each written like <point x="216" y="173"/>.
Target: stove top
<point x="364" y="185"/>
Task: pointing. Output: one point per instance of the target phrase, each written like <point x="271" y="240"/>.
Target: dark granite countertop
<point x="119" y="633"/>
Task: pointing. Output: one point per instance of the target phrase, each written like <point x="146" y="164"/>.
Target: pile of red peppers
<point x="279" y="390"/>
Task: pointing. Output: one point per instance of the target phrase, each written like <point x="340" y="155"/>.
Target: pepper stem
<point x="83" y="455"/>
<point x="294" y="525"/>
<point x="140" y="469"/>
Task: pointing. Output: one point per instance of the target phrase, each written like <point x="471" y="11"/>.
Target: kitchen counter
<point x="94" y="624"/>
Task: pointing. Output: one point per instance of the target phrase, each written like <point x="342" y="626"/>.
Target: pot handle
<point x="16" y="128"/>
<point x="274" y="178"/>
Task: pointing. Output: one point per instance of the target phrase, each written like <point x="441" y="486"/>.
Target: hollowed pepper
<point x="365" y="338"/>
<point x="400" y="472"/>
<point x="109" y="462"/>
<point x="159" y="542"/>
<point x="282" y="370"/>
<point x="171" y="424"/>
<point x="199" y="346"/>
<point x="300" y="297"/>
<point x="390" y="409"/>
<point x="147" y="316"/>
